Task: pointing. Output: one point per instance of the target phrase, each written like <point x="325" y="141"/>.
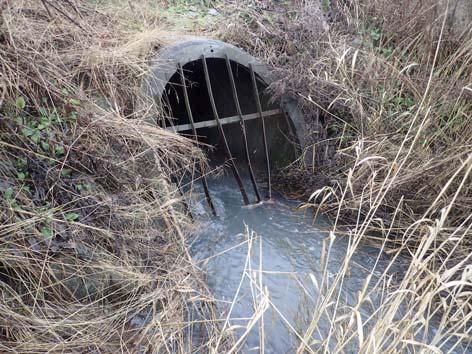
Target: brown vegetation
<point x="387" y="91"/>
<point x="92" y="256"/>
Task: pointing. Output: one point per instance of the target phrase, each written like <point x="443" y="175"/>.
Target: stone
<point x="213" y="12"/>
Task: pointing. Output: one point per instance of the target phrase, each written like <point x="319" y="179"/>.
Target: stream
<point x="287" y="245"/>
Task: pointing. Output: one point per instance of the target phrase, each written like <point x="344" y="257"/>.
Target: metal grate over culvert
<point x="219" y="122"/>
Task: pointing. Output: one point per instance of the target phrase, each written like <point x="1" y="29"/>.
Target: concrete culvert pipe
<point x="284" y="125"/>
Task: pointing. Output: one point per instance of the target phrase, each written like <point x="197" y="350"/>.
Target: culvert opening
<point x="280" y="138"/>
<point x="217" y="94"/>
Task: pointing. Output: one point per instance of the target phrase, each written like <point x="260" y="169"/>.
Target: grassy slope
<point x="394" y="139"/>
<point x="92" y="256"/>
<point x="387" y="90"/>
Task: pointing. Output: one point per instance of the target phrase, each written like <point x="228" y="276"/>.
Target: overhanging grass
<point x="92" y="254"/>
<point x="387" y="92"/>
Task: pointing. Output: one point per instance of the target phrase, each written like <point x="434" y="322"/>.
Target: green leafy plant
<point x="8" y="194"/>
<point x="20" y="103"/>
<point x="326" y="5"/>
<point x="47" y="231"/>
<point x="72" y="216"/>
<point x="10" y="198"/>
<point x="66" y="172"/>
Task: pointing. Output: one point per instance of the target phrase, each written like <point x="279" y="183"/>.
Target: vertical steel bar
<point x="222" y="133"/>
<point x="264" y="138"/>
<point x="243" y="128"/>
<point x="171" y="122"/>
<point x="195" y="137"/>
<point x="174" y="180"/>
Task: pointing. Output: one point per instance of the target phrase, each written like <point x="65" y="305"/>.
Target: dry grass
<point x="387" y="92"/>
<point x="92" y="255"/>
<point x="390" y="111"/>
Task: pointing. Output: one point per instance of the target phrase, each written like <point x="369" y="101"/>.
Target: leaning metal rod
<point x="174" y="180"/>
<point x="264" y="138"/>
<point x="243" y="128"/>
<point x="222" y="133"/>
<point x="194" y="132"/>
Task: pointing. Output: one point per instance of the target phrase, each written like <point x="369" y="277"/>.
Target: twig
<point x="64" y="14"/>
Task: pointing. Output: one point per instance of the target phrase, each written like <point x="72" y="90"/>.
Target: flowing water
<point x="287" y="245"/>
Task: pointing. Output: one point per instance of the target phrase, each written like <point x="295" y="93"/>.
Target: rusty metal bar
<point x="195" y="137"/>
<point x="173" y="179"/>
<point x="264" y="138"/>
<point x="223" y="121"/>
<point x="222" y="133"/>
<point x="243" y="128"/>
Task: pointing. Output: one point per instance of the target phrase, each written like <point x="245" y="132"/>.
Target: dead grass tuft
<point x="394" y="104"/>
<point x="386" y="90"/>
<point x="92" y="257"/>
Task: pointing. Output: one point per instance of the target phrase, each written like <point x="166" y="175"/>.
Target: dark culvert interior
<point x="279" y="131"/>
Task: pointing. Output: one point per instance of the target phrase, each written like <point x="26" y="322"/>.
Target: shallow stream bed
<point x="265" y="257"/>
